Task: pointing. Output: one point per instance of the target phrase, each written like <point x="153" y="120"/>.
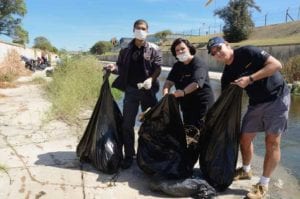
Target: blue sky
<point x="79" y="24"/>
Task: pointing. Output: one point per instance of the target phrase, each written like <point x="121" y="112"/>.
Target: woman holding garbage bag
<point x="190" y="77"/>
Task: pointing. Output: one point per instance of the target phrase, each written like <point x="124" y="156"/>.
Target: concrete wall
<point x="281" y="52"/>
<point x="28" y="52"/>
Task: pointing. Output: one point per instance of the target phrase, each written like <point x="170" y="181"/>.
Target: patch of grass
<point x="11" y="66"/>
<point x="7" y="77"/>
<point x="279" y="34"/>
<point x="116" y="93"/>
<point x="75" y="86"/>
<point x="291" y="69"/>
<point x="270" y="41"/>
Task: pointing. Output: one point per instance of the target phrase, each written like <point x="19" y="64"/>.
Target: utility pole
<point x="266" y="19"/>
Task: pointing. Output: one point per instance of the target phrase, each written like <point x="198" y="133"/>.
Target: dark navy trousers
<point x="132" y="100"/>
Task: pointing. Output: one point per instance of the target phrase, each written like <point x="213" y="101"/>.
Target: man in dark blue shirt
<point x="269" y="99"/>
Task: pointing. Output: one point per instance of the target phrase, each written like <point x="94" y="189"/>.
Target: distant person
<point x="39" y="60"/>
<point x="138" y="66"/>
<point x="44" y="59"/>
<point x="29" y="63"/>
<point x="57" y="60"/>
<point x="258" y="73"/>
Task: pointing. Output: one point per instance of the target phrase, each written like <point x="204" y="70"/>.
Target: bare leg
<point x="247" y="147"/>
<point x="272" y="156"/>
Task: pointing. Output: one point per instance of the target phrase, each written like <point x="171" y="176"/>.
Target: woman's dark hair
<point x="187" y="43"/>
<point x="140" y="21"/>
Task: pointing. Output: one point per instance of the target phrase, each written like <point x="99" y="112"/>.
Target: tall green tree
<point x="22" y="36"/>
<point x="43" y="44"/>
<point x="237" y="18"/>
<point x="11" y="13"/>
<point x="101" y="47"/>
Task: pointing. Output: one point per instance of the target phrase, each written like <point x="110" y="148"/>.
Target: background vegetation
<point x="44" y="44"/>
<point x="76" y="85"/>
<point x="101" y="47"/>
<point x="237" y="18"/>
<point x="11" y="14"/>
<point x="10" y="68"/>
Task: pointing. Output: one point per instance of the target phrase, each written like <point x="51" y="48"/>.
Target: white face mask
<point x="140" y="34"/>
<point x="183" y="56"/>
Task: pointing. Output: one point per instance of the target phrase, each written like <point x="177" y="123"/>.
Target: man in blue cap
<point x="257" y="72"/>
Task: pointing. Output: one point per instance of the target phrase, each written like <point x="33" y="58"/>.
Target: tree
<point x="237" y="18"/>
<point x="162" y="35"/>
<point x="43" y="44"/>
<point x="101" y="47"/>
<point x="11" y="12"/>
<point x="22" y="36"/>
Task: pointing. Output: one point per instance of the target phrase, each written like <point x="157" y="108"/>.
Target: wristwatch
<point x="251" y="79"/>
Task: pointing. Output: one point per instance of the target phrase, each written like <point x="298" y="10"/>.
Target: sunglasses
<point x="218" y="49"/>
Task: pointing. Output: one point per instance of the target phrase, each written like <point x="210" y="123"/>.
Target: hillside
<point x="288" y="33"/>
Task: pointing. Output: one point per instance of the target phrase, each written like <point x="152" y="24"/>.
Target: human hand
<point x="178" y="93"/>
<point x="165" y="91"/>
<point x="242" y="82"/>
<point x="147" y="84"/>
<point x="110" y="67"/>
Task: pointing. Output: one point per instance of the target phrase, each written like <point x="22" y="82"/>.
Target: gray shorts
<point x="269" y="117"/>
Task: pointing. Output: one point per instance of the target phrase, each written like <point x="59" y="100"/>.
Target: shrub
<point x="75" y="86"/>
<point x="291" y="70"/>
<point x="11" y="66"/>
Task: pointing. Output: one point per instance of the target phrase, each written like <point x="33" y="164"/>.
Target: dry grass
<point x="276" y="31"/>
<point x="279" y="34"/>
<point x="5" y="84"/>
<point x="11" y="68"/>
<point x="291" y="69"/>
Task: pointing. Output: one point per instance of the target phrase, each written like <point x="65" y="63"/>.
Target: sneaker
<point x="258" y="191"/>
<point x="126" y="163"/>
<point x="240" y="174"/>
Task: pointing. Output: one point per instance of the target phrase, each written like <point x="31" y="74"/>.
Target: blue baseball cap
<point x="215" y="41"/>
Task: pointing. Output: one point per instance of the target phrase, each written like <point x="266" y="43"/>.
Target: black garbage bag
<point x="162" y="148"/>
<point x="220" y="139"/>
<point x="190" y="187"/>
<point x="101" y="143"/>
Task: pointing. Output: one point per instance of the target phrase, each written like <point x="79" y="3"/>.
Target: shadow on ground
<point x="134" y="176"/>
